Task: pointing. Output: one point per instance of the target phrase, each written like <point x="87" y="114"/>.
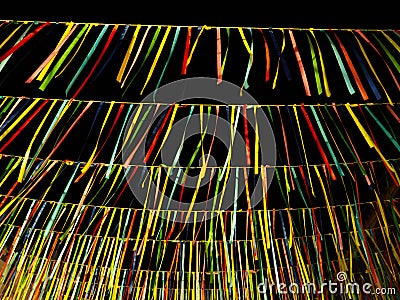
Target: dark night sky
<point x="326" y="14"/>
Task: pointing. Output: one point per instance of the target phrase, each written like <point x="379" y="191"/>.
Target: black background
<point x="322" y="14"/>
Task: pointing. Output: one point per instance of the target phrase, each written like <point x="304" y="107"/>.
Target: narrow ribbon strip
<point x="42" y="69"/>
<point x="300" y="63"/>
<point x="88" y="56"/>
<point x="25" y="39"/>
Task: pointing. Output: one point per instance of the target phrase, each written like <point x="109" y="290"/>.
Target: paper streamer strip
<point x="64" y="56"/>
<point x="249" y="49"/>
<point x="157" y="57"/>
<point x="25" y="161"/>
<point x="187" y="49"/>
<point x="327" y="89"/>
<point x="371" y="67"/>
<point x="315" y="66"/>
<point x="369" y="140"/>
<point x="267" y="57"/>
<point x="128" y="53"/>
<point x="88" y="56"/>
<point x="300" y="63"/>
<point x="61" y="111"/>
<point x="177" y="31"/>
<point x="281" y="58"/>
<point x="352" y="68"/>
<point x="111" y="36"/>
<point x="42" y="69"/>
<point x="278" y="251"/>
<point x="377" y="51"/>
<point x="153" y="41"/>
<point x="111" y="55"/>
<point x="21" y="42"/>
<point x="326" y="140"/>
<point x="11" y="114"/>
<point x="219" y="67"/>
<point x="67" y="132"/>
<point x="89" y="162"/>
<point x="341" y="65"/>
<point x="20" y="117"/>
<point x="11" y="34"/>
<point x="201" y="30"/>
<point x="387" y="52"/>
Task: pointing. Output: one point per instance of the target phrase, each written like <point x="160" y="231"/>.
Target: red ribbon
<point x="186" y="54"/>
<point x="23" y="41"/>
<point x="321" y="150"/>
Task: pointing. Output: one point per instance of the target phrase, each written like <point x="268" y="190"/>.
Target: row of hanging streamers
<point x="334" y="136"/>
<point x="121" y="258"/>
<point x="91" y="272"/>
<point x="358" y="63"/>
<point x="318" y="188"/>
<point x="57" y="185"/>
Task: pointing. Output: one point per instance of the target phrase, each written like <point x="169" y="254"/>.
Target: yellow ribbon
<point x="327" y="90"/>
<point x="128" y="53"/>
<point x="21" y="116"/>
<point x="248" y="48"/>
<point x="25" y="160"/>
<point x="11" y="35"/>
<point x="76" y="51"/>
<point x="328" y="207"/>
<point x="68" y="31"/>
<point x="304" y="150"/>
<point x="195" y="44"/>
<point x="90" y="160"/>
<point x="256" y="144"/>
<point x="369" y="140"/>
<point x="156" y="58"/>
<point x="372" y="68"/>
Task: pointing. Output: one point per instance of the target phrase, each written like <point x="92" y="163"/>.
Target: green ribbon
<point x="2" y="63"/>
<point x="107" y="176"/>
<point x="391" y="57"/>
<point x="54" y="70"/>
<point x="51" y="127"/>
<point x="341" y="65"/>
<point x="321" y="129"/>
<point x="245" y="83"/>
<point x="5" y="109"/>
<point x="315" y="66"/>
<point x="59" y="203"/>
<point x="168" y="59"/>
<point x="153" y="41"/>
<point x="88" y="56"/>
<point x="345" y="140"/>
<point x="394" y="142"/>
